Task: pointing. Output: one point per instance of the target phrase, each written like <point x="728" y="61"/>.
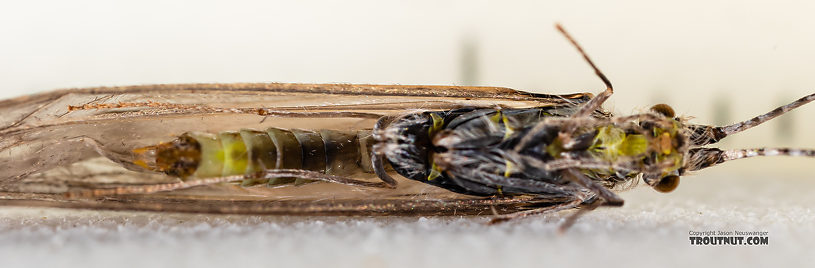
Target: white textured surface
<point x="651" y="230"/>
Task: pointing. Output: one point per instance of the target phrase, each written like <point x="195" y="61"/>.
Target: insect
<point x="339" y="149"/>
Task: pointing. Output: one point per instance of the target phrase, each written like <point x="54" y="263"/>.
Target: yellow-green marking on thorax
<point x="612" y="142"/>
<point x="438" y="124"/>
<point x="500" y="117"/>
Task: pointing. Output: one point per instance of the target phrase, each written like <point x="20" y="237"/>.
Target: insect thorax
<point x="476" y="150"/>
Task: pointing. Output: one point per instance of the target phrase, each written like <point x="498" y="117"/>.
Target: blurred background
<point x="718" y="61"/>
<point x="714" y="60"/>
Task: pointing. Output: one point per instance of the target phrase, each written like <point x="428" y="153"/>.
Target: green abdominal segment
<point x="248" y="152"/>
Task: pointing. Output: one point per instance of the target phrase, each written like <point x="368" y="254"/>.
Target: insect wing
<point x="44" y="150"/>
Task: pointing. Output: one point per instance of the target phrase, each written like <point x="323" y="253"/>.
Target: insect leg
<point x="488" y="176"/>
<point x="573" y="218"/>
<point x="538" y="211"/>
<point x="598" y="100"/>
<point x="562" y="164"/>
<point x="606" y="197"/>
<point x="266" y="174"/>
<point x="537" y="132"/>
<point x="610" y="198"/>
<point x="377" y="153"/>
<point x="378" y="163"/>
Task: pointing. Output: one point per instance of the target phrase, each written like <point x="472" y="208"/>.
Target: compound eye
<point x="667" y="184"/>
<point x="663" y="109"/>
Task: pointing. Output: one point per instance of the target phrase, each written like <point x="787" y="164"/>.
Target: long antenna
<point x="745" y="153"/>
<point x="704" y="135"/>
<point x="755" y="121"/>
<point x="595" y="102"/>
<point x="584" y="111"/>
<point x="701" y="158"/>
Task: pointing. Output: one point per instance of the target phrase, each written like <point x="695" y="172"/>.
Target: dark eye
<point x="663" y="109"/>
<point x="667" y="184"/>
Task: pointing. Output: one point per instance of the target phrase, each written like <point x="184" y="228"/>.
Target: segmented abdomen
<point x="248" y="151"/>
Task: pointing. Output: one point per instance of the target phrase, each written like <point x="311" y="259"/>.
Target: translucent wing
<point x="43" y="153"/>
